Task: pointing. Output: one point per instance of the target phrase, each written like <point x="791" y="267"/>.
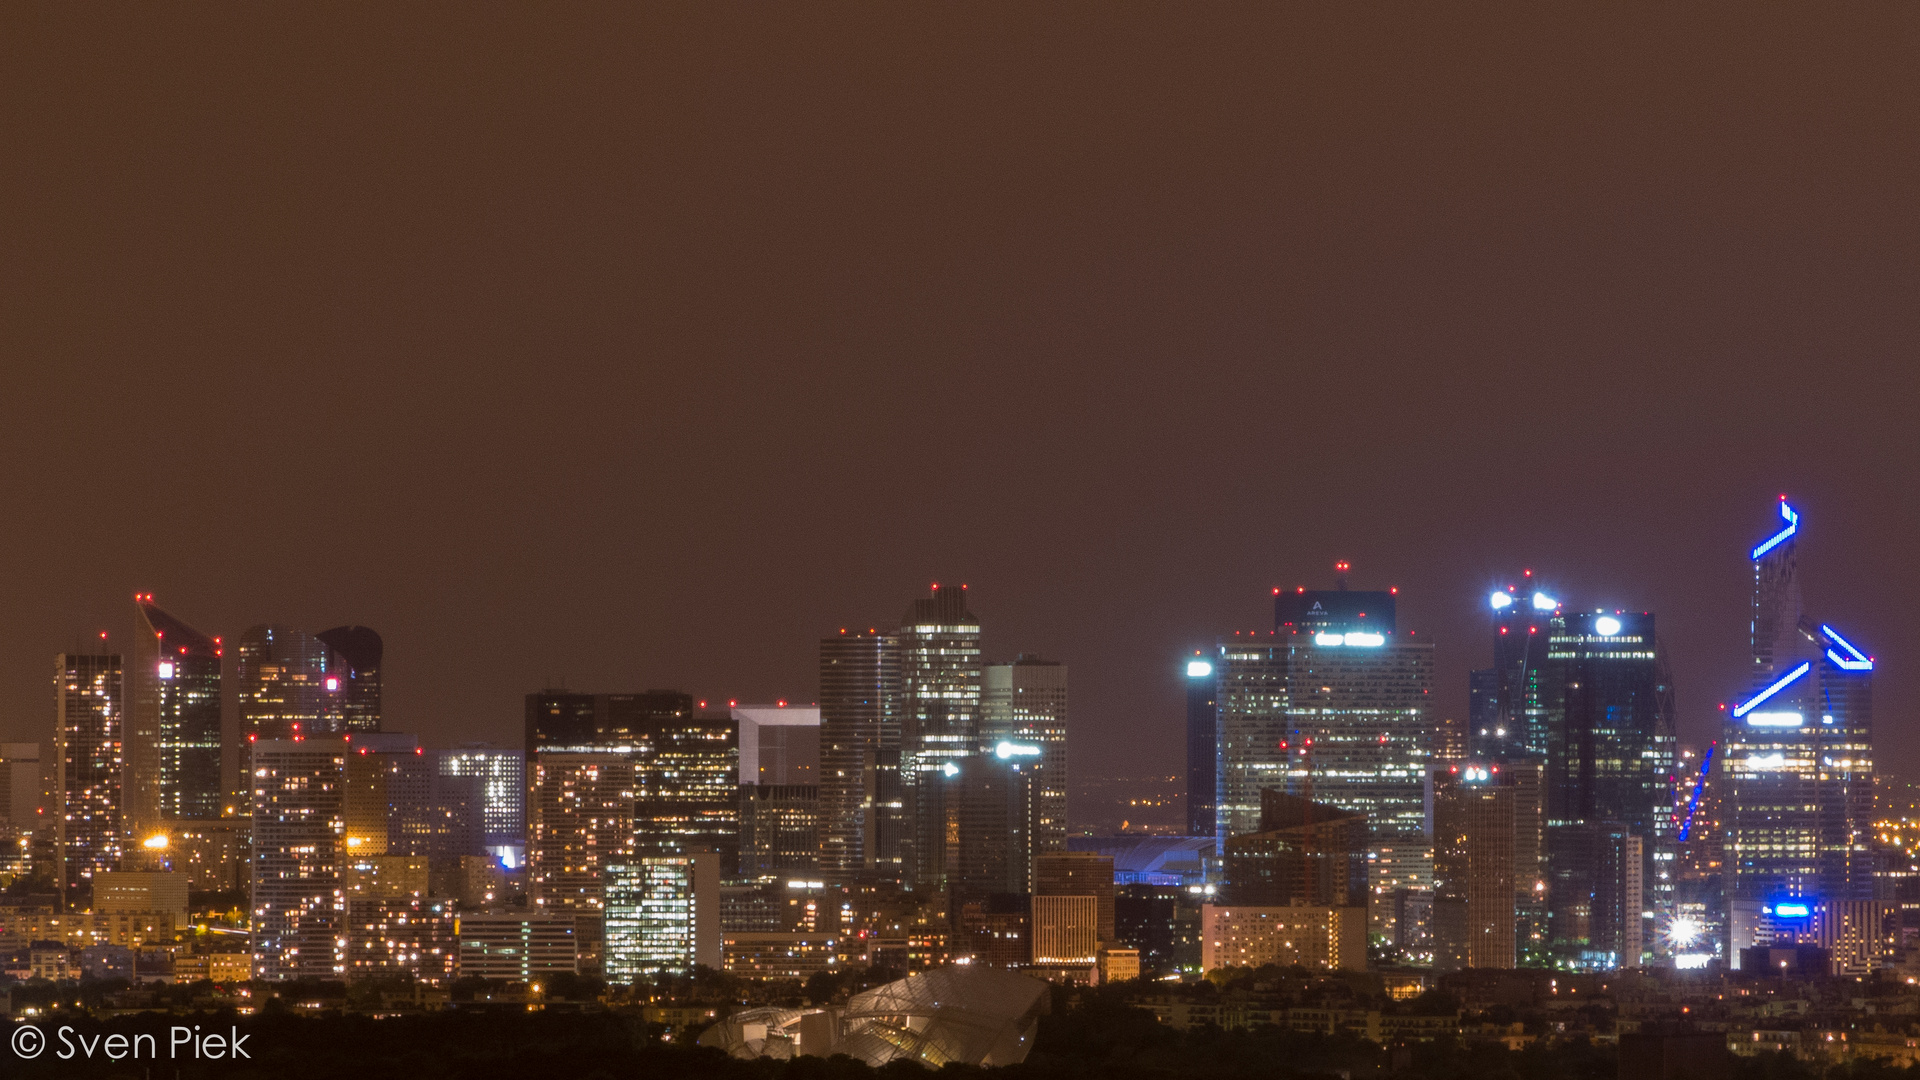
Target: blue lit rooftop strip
<point x="1785" y="681"/>
<point x="1793" y="524"/>
<point x="1855" y="660"/>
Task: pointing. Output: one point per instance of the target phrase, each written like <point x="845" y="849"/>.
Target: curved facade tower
<point x="289" y="685"/>
<point x="173" y="724"/>
<point x="357" y="654"/>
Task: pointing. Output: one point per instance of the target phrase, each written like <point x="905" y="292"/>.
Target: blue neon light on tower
<point x="1799" y="747"/>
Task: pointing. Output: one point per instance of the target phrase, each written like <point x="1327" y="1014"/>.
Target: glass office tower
<point x="940" y="720"/>
<point x="1799" y="747"/>
<point x="173" y="723"/>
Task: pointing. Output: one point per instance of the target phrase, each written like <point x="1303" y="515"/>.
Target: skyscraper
<point x="87" y="750"/>
<point x="779" y="789"/>
<point x="502" y="775"/>
<point x="1025" y="702"/>
<point x="173" y="723"/>
<point x="1474" y="876"/>
<point x="1304" y="853"/>
<point x="1334" y="707"/>
<point x="1510" y="700"/>
<point x="1610" y="743"/>
<point x="357" y="651"/>
<point x="684" y="764"/>
<point x="991" y="802"/>
<point x="399" y="802"/>
<point x="663" y="914"/>
<point x="286" y="687"/>
<point x="580" y="822"/>
<point x="1202" y="745"/>
<point x="1799" y="747"/>
<point x="940" y="722"/>
<point x="1585" y="697"/>
<point x="862" y="814"/>
<point x="298" y="823"/>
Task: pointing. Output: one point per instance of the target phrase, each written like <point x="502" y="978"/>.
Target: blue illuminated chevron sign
<point x="1792" y="525"/>
<point x="1854" y="660"/>
<point x="1785" y="681"/>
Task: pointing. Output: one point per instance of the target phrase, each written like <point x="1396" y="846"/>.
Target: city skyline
<point x="1699" y="719"/>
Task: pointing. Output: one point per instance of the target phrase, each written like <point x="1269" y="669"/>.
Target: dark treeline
<point x="1097" y="1037"/>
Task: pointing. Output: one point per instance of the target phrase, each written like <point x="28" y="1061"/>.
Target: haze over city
<point x="567" y="363"/>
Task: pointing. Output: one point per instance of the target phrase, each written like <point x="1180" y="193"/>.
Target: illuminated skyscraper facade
<point x="1610" y="743"/>
<point x="299" y="828"/>
<point x="684" y="763"/>
<point x="1511" y="701"/>
<point x="580" y="822"/>
<point x="1799" y="747"/>
<point x="288" y="685"/>
<point x="89" y="764"/>
<point x="502" y="776"/>
<point x="1334" y="707"/>
<point x="173" y="723"/>
<point x="662" y="915"/>
<point x="862" y="816"/>
<point x="940" y="720"/>
<point x="1203" y="757"/>
<point x="1025" y="703"/>
<point x="357" y="653"/>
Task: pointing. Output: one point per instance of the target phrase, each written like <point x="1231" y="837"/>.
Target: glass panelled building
<point x="940" y="720"/>
<point x="1799" y="747"/>
<point x="173" y="723"/>
<point x="662" y="915"/>
<point x="862" y="818"/>
<point x="1025" y="702"/>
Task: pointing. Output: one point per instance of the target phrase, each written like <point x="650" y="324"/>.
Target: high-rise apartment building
<point x="173" y="724"/>
<point x="580" y="823"/>
<point x="1799" y="747"/>
<point x="393" y="927"/>
<point x="357" y="652"/>
<point x="862" y="813"/>
<point x="1025" y="702"/>
<point x="89" y="765"/>
<point x="940" y="721"/>
<point x="298" y="827"/>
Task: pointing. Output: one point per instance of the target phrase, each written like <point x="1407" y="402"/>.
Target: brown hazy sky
<point x="642" y="345"/>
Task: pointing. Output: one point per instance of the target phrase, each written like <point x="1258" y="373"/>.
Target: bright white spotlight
<point x="1501" y="599"/>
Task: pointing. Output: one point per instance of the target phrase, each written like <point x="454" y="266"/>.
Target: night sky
<point x="639" y="346"/>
